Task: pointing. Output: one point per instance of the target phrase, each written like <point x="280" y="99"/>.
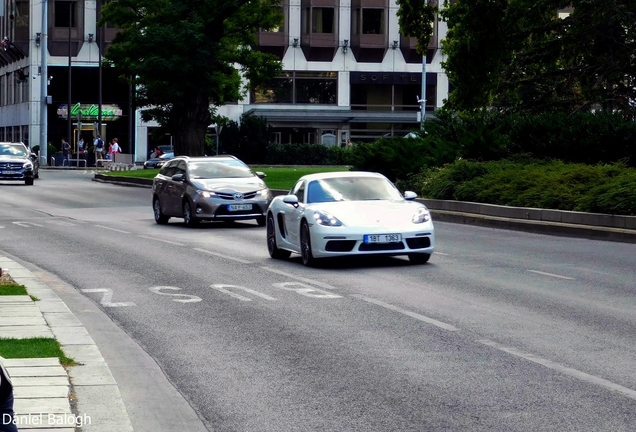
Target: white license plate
<point x="4" y="172"/>
<point x="237" y="207"/>
<point x="382" y="238"/>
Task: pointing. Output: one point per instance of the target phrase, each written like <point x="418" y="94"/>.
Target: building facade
<point x="348" y="74"/>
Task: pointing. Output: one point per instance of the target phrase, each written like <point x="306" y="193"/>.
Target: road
<point x="500" y="331"/>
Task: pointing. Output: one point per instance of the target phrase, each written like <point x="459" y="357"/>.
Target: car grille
<point x="372" y="247"/>
<point x="230" y="196"/>
<point x="11" y="165"/>
<point x="340" y="245"/>
<point x="418" y="242"/>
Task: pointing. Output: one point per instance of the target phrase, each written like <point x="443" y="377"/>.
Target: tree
<point x="521" y="55"/>
<point x="182" y="57"/>
<point x="416" y="19"/>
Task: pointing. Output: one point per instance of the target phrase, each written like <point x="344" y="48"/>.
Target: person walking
<point x="66" y="152"/>
<point x="6" y="402"/>
<point x="80" y="145"/>
<point x="99" y="149"/>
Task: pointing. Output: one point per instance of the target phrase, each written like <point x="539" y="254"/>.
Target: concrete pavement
<point x="48" y="396"/>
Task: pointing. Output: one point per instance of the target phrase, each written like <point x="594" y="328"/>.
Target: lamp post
<point x="44" y="77"/>
<point x="70" y="62"/>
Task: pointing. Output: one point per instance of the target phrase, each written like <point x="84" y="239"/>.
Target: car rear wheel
<point x="272" y="247"/>
<point x="37" y="175"/>
<point x="28" y="182"/>
<point x="160" y="218"/>
<point x="305" y="246"/>
<point x="188" y="215"/>
<point x="419" y="258"/>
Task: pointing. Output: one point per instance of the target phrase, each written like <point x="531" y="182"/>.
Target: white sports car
<point x="348" y="213"/>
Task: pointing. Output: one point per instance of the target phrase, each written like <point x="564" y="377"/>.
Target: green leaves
<point x="416" y="19"/>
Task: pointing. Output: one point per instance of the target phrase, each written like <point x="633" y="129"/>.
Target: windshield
<point x="351" y="189"/>
<point x="12" y="150"/>
<point x="218" y="169"/>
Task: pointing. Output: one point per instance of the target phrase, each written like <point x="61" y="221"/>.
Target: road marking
<point x="221" y="288"/>
<point x="440" y="253"/>
<point x="112" y="229"/>
<point x="426" y="319"/>
<point x="305" y="290"/>
<point x="107" y="297"/>
<point x="220" y="255"/>
<point x="188" y="299"/>
<point x="60" y="223"/>
<point x="302" y="279"/>
<point x="27" y="224"/>
<point x="162" y="240"/>
<point x="563" y="369"/>
<point x="550" y="274"/>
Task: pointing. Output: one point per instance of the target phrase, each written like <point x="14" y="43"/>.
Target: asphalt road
<point x="500" y="331"/>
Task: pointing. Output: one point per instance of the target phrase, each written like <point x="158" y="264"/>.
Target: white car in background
<point x="348" y="213"/>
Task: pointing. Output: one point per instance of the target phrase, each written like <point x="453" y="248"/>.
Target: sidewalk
<point x="49" y="397"/>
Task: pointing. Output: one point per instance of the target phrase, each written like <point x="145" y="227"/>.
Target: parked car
<point x="158" y="161"/>
<point x="209" y="188"/>
<point x="18" y="163"/>
<point x="348" y="213"/>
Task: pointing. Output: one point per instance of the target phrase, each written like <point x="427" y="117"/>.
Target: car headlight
<point x="205" y="194"/>
<point x="28" y="165"/>
<point x="421" y="215"/>
<point x="262" y="192"/>
<point x="326" y="219"/>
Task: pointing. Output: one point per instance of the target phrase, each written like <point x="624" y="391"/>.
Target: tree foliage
<point x="522" y="55"/>
<point x="182" y="57"/>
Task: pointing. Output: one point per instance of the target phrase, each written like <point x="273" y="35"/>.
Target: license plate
<point x="4" y="172"/>
<point x="237" y="207"/>
<point x="382" y="238"/>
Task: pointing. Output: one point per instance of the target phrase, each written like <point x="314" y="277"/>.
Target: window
<point x="300" y="88"/>
<point x="65" y="13"/>
<point x="323" y="20"/>
<point x="22" y="14"/>
<point x="372" y="21"/>
<point x="299" y="191"/>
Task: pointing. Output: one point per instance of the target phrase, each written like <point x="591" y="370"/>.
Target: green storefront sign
<point x="91" y="112"/>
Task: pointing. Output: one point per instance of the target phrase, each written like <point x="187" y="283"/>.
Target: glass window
<point x="168" y="169"/>
<point x="351" y="189"/>
<point x="180" y="168"/>
<point x="323" y="20"/>
<point x="372" y="21"/>
<point x="65" y="13"/>
<point x="22" y="14"/>
<point x="278" y="90"/>
<point x="299" y="191"/>
<point x="317" y="91"/>
<point x="215" y="169"/>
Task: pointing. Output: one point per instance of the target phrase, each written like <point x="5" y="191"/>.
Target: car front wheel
<point x="305" y="246"/>
<point x="160" y="218"/>
<point x="419" y="258"/>
<point x="272" y="247"/>
<point x="188" y="215"/>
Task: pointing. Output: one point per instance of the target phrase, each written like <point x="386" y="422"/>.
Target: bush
<point x="522" y="182"/>
<point x="297" y="154"/>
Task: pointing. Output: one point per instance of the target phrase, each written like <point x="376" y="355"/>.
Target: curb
<point x="92" y="385"/>
<point x="539" y="221"/>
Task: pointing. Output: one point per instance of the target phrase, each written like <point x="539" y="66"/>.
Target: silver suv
<point x="209" y="188"/>
<point x="18" y="163"/>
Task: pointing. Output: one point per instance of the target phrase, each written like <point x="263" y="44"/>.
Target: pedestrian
<point x="80" y="145"/>
<point x="109" y="153"/>
<point x="6" y="402"/>
<point x="115" y="146"/>
<point x="99" y="149"/>
<point x="66" y="152"/>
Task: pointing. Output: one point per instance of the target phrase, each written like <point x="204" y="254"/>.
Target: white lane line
<point x="221" y="288"/>
<point x="439" y="253"/>
<point x="409" y="313"/>
<point x="550" y="274"/>
<point x="563" y="369"/>
<point x="302" y="279"/>
<point x="112" y="229"/>
<point x="220" y="255"/>
<point x="162" y="240"/>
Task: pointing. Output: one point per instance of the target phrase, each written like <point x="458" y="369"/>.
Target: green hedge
<point x="308" y="154"/>
<point x="520" y="182"/>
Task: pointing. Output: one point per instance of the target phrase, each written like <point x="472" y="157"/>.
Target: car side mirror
<point x="409" y="195"/>
<point x="178" y="177"/>
<point x="260" y="174"/>
<point x="33" y="157"/>
<point x="291" y="200"/>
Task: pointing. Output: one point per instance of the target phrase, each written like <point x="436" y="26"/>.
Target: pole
<point x="69" y="129"/>
<point x="130" y="120"/>
<point x="100" y="36"/>
<point x="44" y="77"/>
<point x="423" y="101"/>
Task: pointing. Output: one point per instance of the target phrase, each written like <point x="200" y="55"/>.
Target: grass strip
<point x="12" y="290"/>
<point x="40" y="347"/>
<point x="277" y="178"/>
